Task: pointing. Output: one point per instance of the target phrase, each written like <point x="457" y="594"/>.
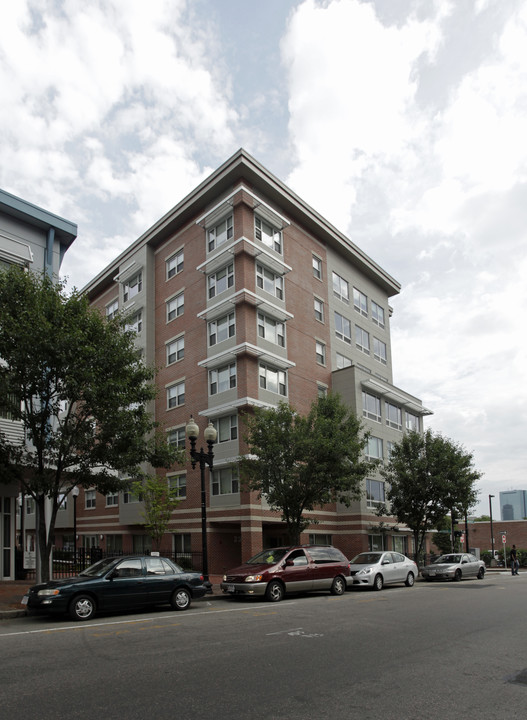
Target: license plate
<point x="24" y="600"/>
<point x="231" y="588"/>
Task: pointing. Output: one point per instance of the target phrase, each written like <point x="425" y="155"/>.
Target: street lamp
<point x="203" y="458"/>
<point x="491" y="530"/>
<point x="75" y="494"/>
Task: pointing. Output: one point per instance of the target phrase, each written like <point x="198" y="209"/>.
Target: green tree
<point x="80" y="389"/>
<point x="299" y="463"/>
<point x="159" y="500"/>
<point x="429" y="476"/>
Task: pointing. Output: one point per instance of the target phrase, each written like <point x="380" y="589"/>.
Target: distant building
<point x="35" y="239"/>
<point x="513" y="504"/>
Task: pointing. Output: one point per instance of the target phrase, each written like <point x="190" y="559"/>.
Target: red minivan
<point x="277" y="571"/>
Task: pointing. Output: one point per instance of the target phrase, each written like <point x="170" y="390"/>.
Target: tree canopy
<point x="429" y="476"/>
<point x="299" y="463"/>
<point x="81" y="391"/>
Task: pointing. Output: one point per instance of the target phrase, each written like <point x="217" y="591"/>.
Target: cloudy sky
<point x="404" y="122"/>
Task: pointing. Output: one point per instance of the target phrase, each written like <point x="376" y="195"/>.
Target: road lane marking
<point x="139" y="620"/>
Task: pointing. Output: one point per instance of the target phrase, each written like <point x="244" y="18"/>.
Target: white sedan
<point x="455" y="566"/>
<point x="376" y="569"/>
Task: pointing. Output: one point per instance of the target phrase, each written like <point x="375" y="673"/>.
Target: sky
<point x="403" y="122"/>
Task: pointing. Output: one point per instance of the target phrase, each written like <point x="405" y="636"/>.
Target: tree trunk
<point x="43" y="548"/>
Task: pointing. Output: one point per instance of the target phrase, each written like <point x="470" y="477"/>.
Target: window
<point x="220" y="281"/>
<point x="268" y="281"/>
<point x="317" y="267"/>
<point x="342" y="328"/>
<point x="412" y="421"/>
<point x="114" y="544"/>
<point x="269" y="235"/>
<point x="389" y="448"/>
<point x="62" y="501"/>
<point x="176" y="395"/>
<point x="271" y="330"/>
<point x="176" y="437"/>
<point x="362" y="340"/>
<point x="379" y="350"/>
<point x="273" y="380"/>
<point x="322" y="391"/>
<point x="221" y="329"/>
<point x="394" y="416"/>
<point x="89" y="499"/>
<point x="112" y="309"/>
<point x="341" y="288"/>
<point x="360" y="302"/>
<point x="374" y="448"/>
<point x="319" y="309"/>
<point x="112" y="499"/>
<point x="175" y="350"/>
<point x="220" y="233"/>
<point x="374" y="492"/>
<point x="225" y="481"/>
<point x="222" y="379"/>
<point x="6" y="410"/>
<point x="320" y="352"/>
<point x="175" y="264"/>
<point x="320" y="539"/>
<point x="377" y="314"/>
<point x="376" y="542"/>
<point x="178" y="483"/>
<point x="182" y="543"/>
<point x="129" y="497"/>
<point x="371" y="406"/>
<point x="175" y="306"/>
<point x="133" y="286"/>
<point x="226" y="427"/>
<point x="30" y="506"/>
<point x="135" y="322"/>
<point x="343" y="361"/>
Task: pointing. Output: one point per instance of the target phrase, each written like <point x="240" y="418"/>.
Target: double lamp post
<point x="203" y="459"/>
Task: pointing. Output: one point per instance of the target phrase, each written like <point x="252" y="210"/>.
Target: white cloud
<point x="435" y="192"/>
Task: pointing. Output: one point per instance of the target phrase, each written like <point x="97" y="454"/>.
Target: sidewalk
<point x="11" y="593"/>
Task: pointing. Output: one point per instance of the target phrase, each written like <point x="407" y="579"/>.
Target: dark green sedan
<point x="119" y="583"/>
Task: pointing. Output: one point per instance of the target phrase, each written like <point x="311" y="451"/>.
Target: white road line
<point x="180" y="616"/>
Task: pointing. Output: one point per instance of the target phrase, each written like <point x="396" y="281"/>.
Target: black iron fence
<point x="64" y="563"/>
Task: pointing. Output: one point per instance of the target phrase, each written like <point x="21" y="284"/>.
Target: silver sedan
<point x="454" y="566"/>
<point x="376" y="569"/>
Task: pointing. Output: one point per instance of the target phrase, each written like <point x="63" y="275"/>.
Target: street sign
<point x="504" y="539"/>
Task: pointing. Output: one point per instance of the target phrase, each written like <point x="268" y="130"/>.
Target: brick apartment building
<point x="242" y="295"/>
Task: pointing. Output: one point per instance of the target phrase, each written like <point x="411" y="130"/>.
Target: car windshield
<point x="367" y="558"/>
<point x="448" y="559"/>
<point x="268" y="557"/>
<point x="99" y="568"/>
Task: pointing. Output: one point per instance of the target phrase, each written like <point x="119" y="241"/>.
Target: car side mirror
<point x="289" y="563"/>
<point x="464" y="562"/>
<point x="385" y="562"/>
<point x="114" y="574"/>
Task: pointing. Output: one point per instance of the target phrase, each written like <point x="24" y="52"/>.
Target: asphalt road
<point x="431" y="651"/>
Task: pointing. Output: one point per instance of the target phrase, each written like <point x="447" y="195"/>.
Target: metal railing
<point x="64" y="565"/>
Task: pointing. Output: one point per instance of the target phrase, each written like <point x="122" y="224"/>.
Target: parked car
<point x="377" y="569"/>
<point x="277" y="571"/>
<point x="119" y="583"/>
<point x="454" y="566"/>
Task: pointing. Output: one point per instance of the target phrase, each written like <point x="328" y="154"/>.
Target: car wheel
<point x="378" y="582"/>
<point x="180" y="599"/>
<point x="481" y="573"/>
<point x="275" y="591"/>
<point x="82" y="607"/>
<point x="457" y="575"/>
<point x="409" y="580"/>
<point x="339" y="586"/>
